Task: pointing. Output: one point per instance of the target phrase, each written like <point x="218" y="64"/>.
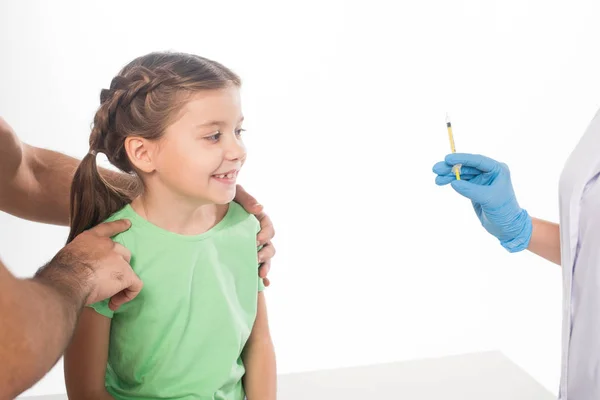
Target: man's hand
<point x="93" y="267"/>
<point x="266" y="234"/>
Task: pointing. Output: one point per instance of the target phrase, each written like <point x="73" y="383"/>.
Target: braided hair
<point x="142" y="100"/>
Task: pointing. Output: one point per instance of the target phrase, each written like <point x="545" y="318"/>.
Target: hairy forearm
<point x="39" y="189"/>
<point x="38" y="319"/>
<point x="53" y="173"/>
<point x="545" y="240"/>
<point x="260" y="380"/>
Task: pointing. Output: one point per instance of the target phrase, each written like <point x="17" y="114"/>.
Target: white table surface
<point x="478" y="376"/>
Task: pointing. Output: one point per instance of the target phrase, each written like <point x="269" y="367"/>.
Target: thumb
<point x="119" y="299"/>
<point x="471" y="191"/>
<point x="127" y="294"/>
<point x="110" y="229"/>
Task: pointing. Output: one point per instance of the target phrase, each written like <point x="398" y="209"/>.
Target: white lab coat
<point x="579" y="200"/>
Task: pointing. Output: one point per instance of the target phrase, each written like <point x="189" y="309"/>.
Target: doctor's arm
<point x="545" y="240"/>
<point x="260" y="380"/>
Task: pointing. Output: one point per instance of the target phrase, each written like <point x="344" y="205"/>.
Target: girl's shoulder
<point x="124" y="213"/>
<point x="237" y="216"/>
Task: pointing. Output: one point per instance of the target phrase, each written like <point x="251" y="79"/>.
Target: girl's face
<point x="202" y="152"/>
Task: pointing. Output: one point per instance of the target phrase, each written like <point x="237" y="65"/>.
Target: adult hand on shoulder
<point x="486" y="182"/>
<point x="266" y="234"/>
<point x="94" y="267"/>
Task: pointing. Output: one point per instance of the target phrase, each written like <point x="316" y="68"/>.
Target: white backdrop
<point x="345" y="103"/>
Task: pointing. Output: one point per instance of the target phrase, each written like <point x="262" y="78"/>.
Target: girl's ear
<point x="140" y="152"/>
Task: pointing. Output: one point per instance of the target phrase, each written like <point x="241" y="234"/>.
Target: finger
<point x="476" y="193"/>
<point x="264" y="269"/>
<point x="267" y="231"/>
<point x="266" y="253"/>
<point x="463" y="170"/>
<point x="266" y="282"/>
<point x="248" y="202"/>
<point x="127" y="294"/>
<point x="123" y="251"/>
<point x="442" y="168"/>
<point x="446" y="179"/>
<point x="110" y="229"/>
<point x="117" y="300"/>
<point x="480" y="162"/>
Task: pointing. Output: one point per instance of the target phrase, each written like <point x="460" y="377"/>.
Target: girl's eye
<point x="218" y="134"/>
<point x="214" y="137"/>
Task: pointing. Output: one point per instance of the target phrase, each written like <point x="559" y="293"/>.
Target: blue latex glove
<point x="487" y="184"/>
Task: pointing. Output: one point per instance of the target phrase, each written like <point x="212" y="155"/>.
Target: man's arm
<point x="36" y="183"/>
<point x="38" y="315"/>
<point x="37" y="323"/>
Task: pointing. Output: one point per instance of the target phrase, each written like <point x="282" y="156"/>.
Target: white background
<point x="346" y="103"/>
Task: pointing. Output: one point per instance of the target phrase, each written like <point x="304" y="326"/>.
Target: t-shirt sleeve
<point x="102" y="308"/>
<point x="261" y="284"/>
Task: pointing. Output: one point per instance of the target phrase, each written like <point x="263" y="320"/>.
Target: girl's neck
<point x="177" y="214"/>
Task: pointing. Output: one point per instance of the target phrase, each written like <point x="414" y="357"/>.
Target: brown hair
<point x="142" y="100"/>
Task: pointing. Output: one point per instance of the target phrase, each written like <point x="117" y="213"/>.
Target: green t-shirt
<point x="183" y="335"/>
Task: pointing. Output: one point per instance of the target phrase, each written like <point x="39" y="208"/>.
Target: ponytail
<point x="93" y="199"/>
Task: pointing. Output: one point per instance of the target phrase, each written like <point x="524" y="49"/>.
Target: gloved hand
<point x="487" y="184"/>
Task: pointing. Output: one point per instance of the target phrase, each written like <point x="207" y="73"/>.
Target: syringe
<point x="456" y="168"/>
